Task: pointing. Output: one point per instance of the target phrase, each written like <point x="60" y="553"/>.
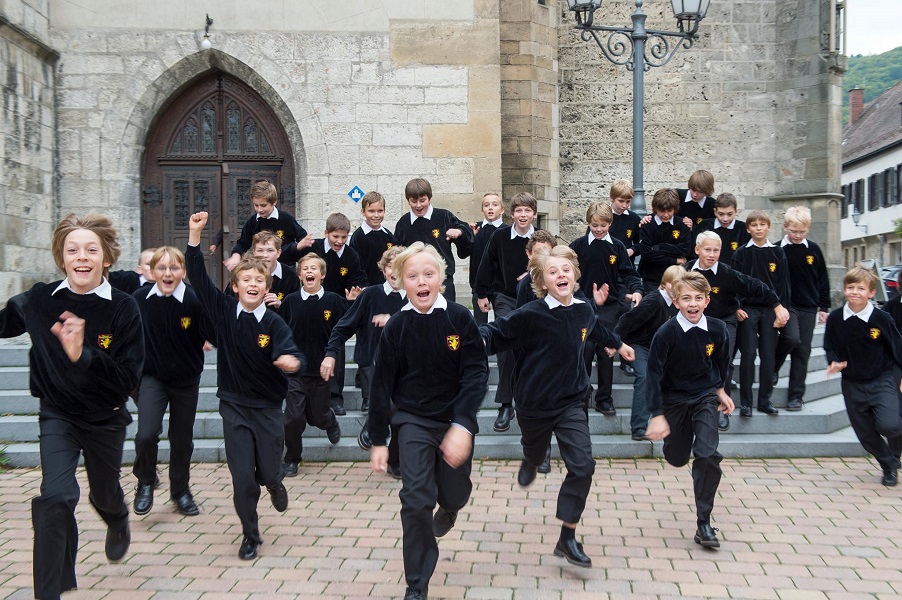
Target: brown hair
<point x="537" y="265"/>
<point x="540" y="236"/>
<point x="859" y="274"/>
<point x="251" y="263"/>
<point x="524" y="199"/>
<point x="266" y="191"/>
<point x="671" y="274"/>
<point x="389" y="255"/>
<point x="371" y="198"/>
<point x="266" y="237"/>
<point x="315" y="258"/>
<point x="173" y="253"/>
<point x="417" y="187"/>
<point x="622" y="189"/>
<point x="99" y="225"/>
<point x="599" y="210"/>
<point x="665" y="199"/>
<point x="702" y="181"/>
<point x="693" y="280"/>
<point x="337" y="222"/>
<point x="726" y="200"/>
<point x="757" y="215"/>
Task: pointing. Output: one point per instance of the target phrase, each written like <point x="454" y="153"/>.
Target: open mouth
<point x="423" y="294"/>
<point x="562" y="285"/>
<point x="252" y="293"/>
<point x="309" y="278"/>
<point x="83" y="269"/>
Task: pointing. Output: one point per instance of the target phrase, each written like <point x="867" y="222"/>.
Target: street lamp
<point x="627" y="46"/>
<point x="856" y="218"/>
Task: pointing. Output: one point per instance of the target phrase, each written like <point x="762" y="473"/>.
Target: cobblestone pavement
<point x="789" y="529"/>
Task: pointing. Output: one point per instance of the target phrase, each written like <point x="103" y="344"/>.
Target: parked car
<point x="890" y="277"/>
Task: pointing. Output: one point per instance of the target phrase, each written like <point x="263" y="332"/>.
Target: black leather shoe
<point x="527" y="474"/>
<point x="365" y="406"/>
<point x="415" y="594"/>
<point x="186" y="505"/>
<point x="606" y="408"/>
<point x="291" y="469"/>
<point x="768" y="409"/>
<point x="745" y="411"/>
<point x="545" y="467"/>
<point x="334" y="433"/>
<point x="794" y="405"/>
<point x="363" y="439"/>
<point x="723" y="421"/>
<point x="639" y="435"/>
<point x="573" y="552"/>
<point x="627" y="368"/>
<point x="143" y="499"/>
<point x="775" y="378"/>
<point x="117" y="543"/>
<point x="443" y="521"/>
<point x="248" y="549"/>
<point x="279" y="496"/>
<point x="890" y="478"/>
<point x="503" y="422"/>
<point x="707" y="537"/>
<point x="338" y="409"/>
<point x="394" y="471"/>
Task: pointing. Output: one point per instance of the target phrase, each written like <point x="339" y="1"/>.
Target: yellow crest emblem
<point x="280" y="233"/>
<point x="874" y="333"/>
<point x="809" y="259"/>
<point x="583" y="331"/>
<point x="772" y="267"/>
<point x="435" y="233"/>
<point x="715" y="290"/>
<point x="675" y="234"/>
<point x="343" y="271"/>
<point x="104" y="340"/>
<point x="698" y="221"/>
<point x="263" y="340"/>
<point x="629" y="233"/>
<point x="734" y="245"/>
<point x="388" y="245"/>
<point x="185" y="322"/>
<point x="280" y="295"/>
<point x="612" y="258"/>
<point x="709" y="349"/>
<point x="453" y="342"/>
<point x="327" y="314"/>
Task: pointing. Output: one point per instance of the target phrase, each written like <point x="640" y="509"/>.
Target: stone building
<point x="113" y="106"/>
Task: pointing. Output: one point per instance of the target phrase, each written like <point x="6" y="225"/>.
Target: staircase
<point x="820" y="429"/>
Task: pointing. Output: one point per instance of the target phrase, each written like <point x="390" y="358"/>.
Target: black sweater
<point x="662" y="245"/>
<point x="638" y="326"/>
<point x="684" y="366"/>
<point x="281" y="286"/>
<point x="625" y="227"/>
<point x="432" y="366"/>
<point x="359" y="319"/>
<point x="480" y="243"/>
<point x="503" y="262"/>
<point x="432" y="231"/>
<point x="174" y="336"/>
<point x="311" y="322"/>
<point x="694" y="210"/>
<point x="731" y="240"/>
<point x="809" y="283"/>
<point x="768" y="264"/>
<point x="245" y="348"/>
<point x="729" y="285"/>
<point x="871" y="349"/>
<point x="548" y="344"/>
<point x="96" y="386"/>
<point x="370" y="247"/>
<point x="342" y="272"/>
<point x="602" y="262"/>
<point x="285" y="226"/>
<point x="127" y="281"/>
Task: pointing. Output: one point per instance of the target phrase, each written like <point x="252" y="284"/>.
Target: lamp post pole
<point x="639" y="37"/>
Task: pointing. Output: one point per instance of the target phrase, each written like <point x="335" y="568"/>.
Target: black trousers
<point x="426" y="480"/>
<point x="366" y="378"/>
<point x="693" y="429"/>
<point x="571" y="427"/>
<point x="155" y="396"/>
<point x="480" y="317"/>
<point x="307" y="402"/>
<point x="63" y="440"/>
<point x="757" y="336"/>
<point x="608" y="316"/>
<point x="504" y="394"/>
<point x="732" y="324"/>
<point x="795" y="342"/>
<point x="336" y="384"/>
<point x="253" y="445"/>
<point x="874" y="409"/>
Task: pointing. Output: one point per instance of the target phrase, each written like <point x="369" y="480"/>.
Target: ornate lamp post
<point x="640" y="49"/>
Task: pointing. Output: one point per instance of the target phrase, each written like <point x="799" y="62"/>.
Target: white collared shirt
<point x="496" y="223"/>
<point x="277" y="272"/>
<point x="666" y="297"/>
<point x="696" y="267"/>
<point x="864" y="314"/>
<point x="719" y="225"/>
<point x="178" y="293"/>
<point x="427" y="216"/>
<point x="257" y="312"/>
<point x="439" y="303"/>
<point x="330" y="249"/>
<point x="142" y="280"/>
<point x="607" y="238"/>
<point x="688" y="198"/>
<point x="786" y="242"/>
<point x="305" y="294"/>
<point x="104" y="290"/>
<point x="555" y="303"/>
<point x="273" y="215"/>
<point x="686" y="325"/>
<point x="660" y="222"/>
<point x="367" y="229"/>
<point x="388" y="289"/>
<point x="514" y="233"/>
<point x="626" y="211"/>
<point x="767" y="244"/>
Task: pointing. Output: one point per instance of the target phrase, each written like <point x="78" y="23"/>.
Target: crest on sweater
<point x="675" y="234"/>
<point x="874" y="333"/>
<point x="280" y="233"/>
<point x="698" y="221"/>
<point x="583" y="334"/>
<point x="185" y="322"/>
<point x="327" y="314"/>
<point x="435" y="233"/>
<point x="343" y="271"/>
<point x="612" y="258"/>
<point x="772" y="267"/>
<point x="453" y="342"/>
<point x="263" y="340"/>
<point x="709" y="349"/>
<point x="734" y="245"/>
<point x="629" y="233"/>
<point x="280" y="295"/>
<point x="388" y="245"/>
<point x="715" y="289"/>
<point x="104" y="340"/>
<point x="809" y="259"/>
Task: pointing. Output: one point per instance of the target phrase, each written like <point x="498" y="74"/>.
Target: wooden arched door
<point x="205" y="151"/>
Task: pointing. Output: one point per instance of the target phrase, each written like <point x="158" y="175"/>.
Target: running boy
<point x="268" y="248"/>
<point x="372" y="238"/>
<point x="492" y="212"/>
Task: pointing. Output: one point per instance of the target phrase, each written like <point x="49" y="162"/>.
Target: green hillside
<point x="875" y="73"/>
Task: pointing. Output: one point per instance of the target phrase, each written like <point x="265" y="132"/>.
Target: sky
<point x="873" y="26"/>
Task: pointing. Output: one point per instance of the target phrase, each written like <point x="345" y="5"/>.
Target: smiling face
<point x="708" y="253"/>
<point x="419" y="205"/>
<point x="311" y="275"/>
<point x="492" y="209"/>
<point x="559" y="279"/>
<point x="599" y="227"/>
<point x="168" y="273"/>
<point x="422" y="280"/>
<point x="83" y="260"/>
<point x="691" y="302"/>
<point x="269" y="254"/>
<point x="336" y="239"/>
<point x="389" y="275"/>
<point x="758" y="230"/>
<point x="857" y="294"/>
<point x="523" y="217"/>
<point x="374" y="214"/>
<point x="250" y="287"/>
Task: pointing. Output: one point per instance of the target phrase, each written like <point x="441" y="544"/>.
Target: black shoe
<point x="365" y="406"/>
<point x="573" y="552"/>
<point x="186" y="505"/>
<point x="338" y="409"/>
<point x="606" y="408"/>
<point x="279" y="496"/>
<point x="415" y="594"/>
<point x="723" y="421"/>
<point x="627" y="368"/>
<point x="527" y="474"/>
<point x="794" y="405"/>
<point x="443" y="521"/>
<point x="545" y="467"/>
<point x="363" y="440"/>
<point x="890" y="478"/>
<point x="143" y="499"/>
<point x="503" y="422"/>
<point x="334" y="433"/>
<point x="117" y="543"/>
<point x="394" y="471"/>
<point x="775" y="378"/>
<point x="745" y="411"/>
<point x="248" y="549"/>
<point x="291" y="469"/>
<point x="768" y="409"/>
<point x="639" y="435"/>
<point x="707" y="537"/>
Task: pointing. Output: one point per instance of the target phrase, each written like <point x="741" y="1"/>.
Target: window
<point x="846" y="199"/>
<point x="872" y="193"/>
<point x="892" y="186"/>
<point x="880" y="189"/>
<point x="858" y="195"/>
<point x="845" y="257"/>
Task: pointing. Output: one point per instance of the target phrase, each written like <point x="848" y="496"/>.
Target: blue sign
<point x="356" y="193"/>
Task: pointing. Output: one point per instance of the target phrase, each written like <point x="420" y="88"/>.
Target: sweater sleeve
<point x="386" y="367"/>
<point x="244" y="241"/>
<point x="505" y="333"/>
<point x="474" y="373"/>
<point x="12" y="318"/>
<point x="487" y="266"/>
<point x="464" y="243"/>
<point x="823" y="283"/>
<point x="211" y="298"/>
<point x="831" y="350"/>
<point x="657" y="357"/>
<point x="627" y="271"/>
<point x="753" y="288"/>
<point x="633" y="320"/>
<point x="604" y="336"/>
<point x="349" y="323"/>
<point x="120" y="369"/>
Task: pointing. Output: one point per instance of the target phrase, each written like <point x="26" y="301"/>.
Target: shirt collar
<point x="496" y="223"/>
<point x="178" y="293"/>
<point x="329" y="248"/>
<point x="696" y="267"/>
<point x="305" y="294"/>
<point x="142" y="280"/>
<point x="440" y="303"/>
<point x="273" y="215"/>
<point x="388" y="289"/>
<point x="626" y="211"/>
<point x="785" y="242"/>
<point x="257" y="312"/>
<point x="719" y="225"/>
<point x="606" y="238"/>
<point x="104" y="290"/>
<point x="686" y="325"/>
<point x="514" y="233"/>
<point x="553" y="302"/>
<point x="427" y="216"/>
<point x="689" y="199"/>
<point x="660" y="222"/>
<point x="277" y="272"/>
<point x="766" y="245"/>
<point x="367" y="229"/>
<point x="864" y="315"/>
<point x="666" y="297"/>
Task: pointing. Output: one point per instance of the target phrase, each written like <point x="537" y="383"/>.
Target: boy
<point x="268" y="247"/>
<point x="129" y="281"/>
<point x="268" y="218"/>
<point x="502" y="265"/>
<point x="732" y="231"/>
<point x="552" y="402"/>
<point x="492" y="212"/>
<point x="87" y="350"/>
<point x="625" y="226"/>
<point x="436" y="227"/>
<point x="687" y="369"/>
<point x="176" y="328"/>
<point x="372" y="239"/>
<point x="605" y="263"/>
<point x="663" y="241"/>
<point x="697" y="203"/>
<point x="311" y="315"/>
<point x="540" y="241"/>
<point x="758" y="330"/>
<point x="431" y="364"/>
<point x="253" y="349"/>
<point x="810" y="293"/>
<point x="865" y="346"/>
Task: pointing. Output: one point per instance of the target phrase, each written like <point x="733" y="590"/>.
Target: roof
<point x="878" y="128"/>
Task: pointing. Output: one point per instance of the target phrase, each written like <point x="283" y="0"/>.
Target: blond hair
<point x="709" y="236"/>
<point x="173" y="253"/>
<point x="251" y="263"/>
<point x="389" y="255"/>
<point x="798" y="214"/>
<point x="622" y="189"/>
<point x="692" y="280"/>
<point x="537" y="266"/>
<point x="313" y="256"/>
<point x="601" y="211"/>
<point x="415" y="248"/>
